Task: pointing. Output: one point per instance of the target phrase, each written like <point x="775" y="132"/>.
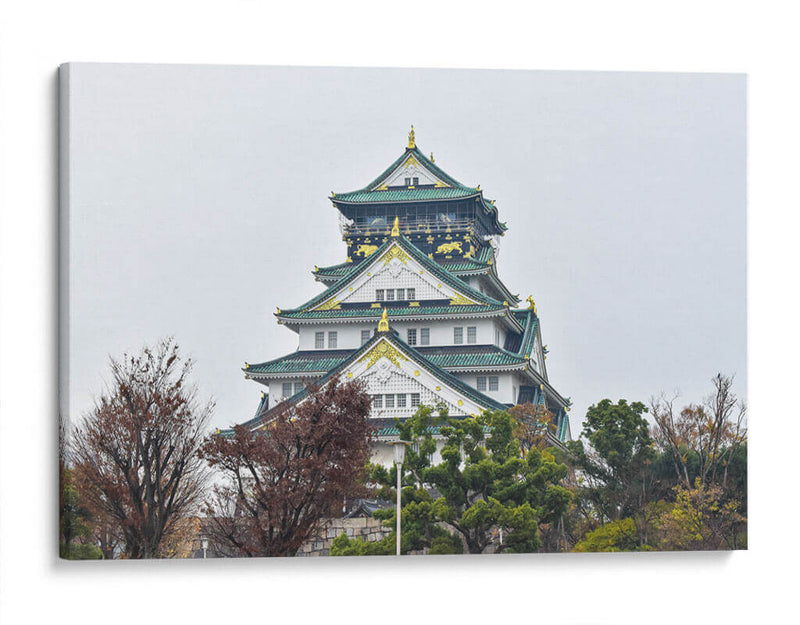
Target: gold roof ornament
<point x="432" y="161"/>
<point x="411" y="142"/>
<point x="396" y="227"/>
<point x="531" y="303"/>
<point x="383" y="324"/>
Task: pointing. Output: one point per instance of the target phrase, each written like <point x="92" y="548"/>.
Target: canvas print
<point x="333" y="312"/>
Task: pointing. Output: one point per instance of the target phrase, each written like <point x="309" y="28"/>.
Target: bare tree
<point x="136" y="452"/>
<point x="711" y="432"/>
<point x="281" y="481"/>
<point x="531" y="424"/>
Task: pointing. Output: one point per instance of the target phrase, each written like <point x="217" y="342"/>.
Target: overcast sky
<point x="198" y="199"/>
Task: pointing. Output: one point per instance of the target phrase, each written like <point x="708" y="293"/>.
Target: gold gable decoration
<point x="384" y="349"/>
<point x="395" y="252"/>
<point x="411" y="141"/>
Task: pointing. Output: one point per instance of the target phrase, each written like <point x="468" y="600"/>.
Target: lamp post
<point x="399" y="456"/>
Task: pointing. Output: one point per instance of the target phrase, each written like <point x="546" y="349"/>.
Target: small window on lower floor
<point x="319" y="340"/>
<point x="298" y="386"/>
<point x="377" y="401"/>
<point x="287" y="389"/>
<point x="425" y="336"/>
<point x="389" y="401"/>
<point x="481" y="383"/>
<point x="401" y="294"/>
<point x="414" y="400"/>
<point x="378" y="295"/>
<point x="411" y="293"/>
<point x="493" y="383"/>
<point x="411" y="336"/>
<point x="401" y="400"/>
<point x="364" y="336"/>
<point x="333" y="340"/>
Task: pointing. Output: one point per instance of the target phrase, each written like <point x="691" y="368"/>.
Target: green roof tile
<point x="447" y="357"/>
<point x="405" y="195"/>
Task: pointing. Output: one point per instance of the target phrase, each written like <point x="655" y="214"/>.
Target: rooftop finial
<point x="411" y="143"/>
<point x="396" y="227"/>
<point x="383" y="324"/>
<point x="531" y="304"/>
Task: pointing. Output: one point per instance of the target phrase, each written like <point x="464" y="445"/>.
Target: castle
<point x="417" y="310"/>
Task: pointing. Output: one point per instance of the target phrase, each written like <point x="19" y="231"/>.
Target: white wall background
<point x="756" y="586"/>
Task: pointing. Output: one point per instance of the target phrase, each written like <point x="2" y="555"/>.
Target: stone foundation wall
<point x="363" y="528"/>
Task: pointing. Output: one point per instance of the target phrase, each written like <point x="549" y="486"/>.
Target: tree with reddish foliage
<point x="135" y="454"/>
<point x="282" y="480"/>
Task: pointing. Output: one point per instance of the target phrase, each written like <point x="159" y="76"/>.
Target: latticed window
<point x="401" y="400"/>
<point x="425" y="336"/>
<point x="389" y="295"/>
<point x="472" y="334"/>
<point x="298" y="386"/>
<point x="389" y="401"/>
<point x="415" y="180"/>
<point x="411" y="336"/>
<point x="458" y="335"/>
<point x="377" y="401"/>
<point x="378" y="295"/>
<point x="287" y="389"/>
<point x="401" y="294"/>
<point x="493" y="383"/>
<point x="333" y="339"/>
<point x="481" y="383"/>
<point x="414" y="400"/>
<point x="364" y="336"/>
<point x="411" y="293"/>
<point x="319" y="340"/>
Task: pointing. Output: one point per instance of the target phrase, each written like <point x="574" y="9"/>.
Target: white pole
<point x="399" y="468"/>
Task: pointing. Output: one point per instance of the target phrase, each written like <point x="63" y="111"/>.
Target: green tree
<point x="702" y="518"/>
<point x="615" y="466"/>
<point x="614" y="536"/>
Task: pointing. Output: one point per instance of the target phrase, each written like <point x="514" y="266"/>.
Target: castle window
<point x="287" y="389"/>
<point x="425" y="336"/>
<point x="411" y="293"/>
<point x="298" y="386"/>
<point x="378" y="295"/>
<point x="364" y="336"/>
<point x="332" y="339"/>
<point x="377" y="401"/>
<point x="414" y="400"/>
<point x="481" y="384"/>
<point x="472" y="334"/>
<point x="389" y="401"/>
<point x="401" y="400"/>
<point x="319" y="340"/>
<point x="389" y="295"/>
<point x="401" y="294"/>
<point x="415" y="180"/>
<point x="493" y="383"/>
<point x="458" y="336"/>
<point x="411" y="336"/>
<point x="408" y="182"/>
